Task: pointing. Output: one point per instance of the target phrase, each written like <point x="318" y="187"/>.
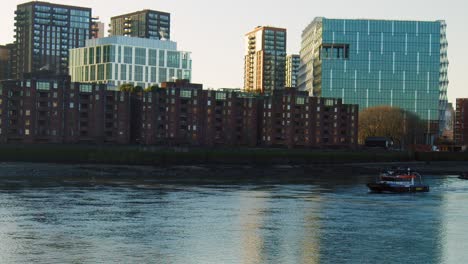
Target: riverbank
<point x="159" y="156"/>
<point x="36" y="174"/>
<point x="105" y="164"/>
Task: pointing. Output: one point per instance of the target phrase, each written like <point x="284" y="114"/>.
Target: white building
<point x="121" y="60"/>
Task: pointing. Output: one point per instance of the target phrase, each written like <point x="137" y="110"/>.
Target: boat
<point x="463" y="176"/>
<point x="398" y="181"/>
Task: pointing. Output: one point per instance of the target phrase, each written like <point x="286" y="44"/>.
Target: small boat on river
<point x="463" y="176"/>
<point x="398" y="181"/>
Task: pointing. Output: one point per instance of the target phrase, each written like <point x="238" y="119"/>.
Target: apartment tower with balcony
<point x="265" y="58"/>
<point x="44" y="32"/>
<point x="292" y="69"/>
<point x="142" y="24"/>
<point x="97" y="28"/>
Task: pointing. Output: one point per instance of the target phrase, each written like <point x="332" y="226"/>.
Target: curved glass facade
<point x="121" y="60"/>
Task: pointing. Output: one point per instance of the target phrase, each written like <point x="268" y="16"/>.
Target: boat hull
<point x="387" y="188"/>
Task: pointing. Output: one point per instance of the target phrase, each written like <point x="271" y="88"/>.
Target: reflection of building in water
<point x="279" y="227"/>
<point x="311" y="234"/>
<point x="454" y="228"/>
<point x="252" y="207"/>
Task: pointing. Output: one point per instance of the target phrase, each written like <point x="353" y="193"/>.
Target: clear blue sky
<point x="213" y="30"/>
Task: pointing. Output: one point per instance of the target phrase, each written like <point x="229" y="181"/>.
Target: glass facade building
<point x="121" y="60"/>
<point x="44" y="32"/>
<point x="265" y="58"/>
<point x="142" y="24"/>
<point x="377" y="62"/>
<point x="292" y="69"/>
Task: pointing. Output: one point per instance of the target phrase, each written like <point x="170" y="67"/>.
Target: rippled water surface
<point x="330" y="221"/>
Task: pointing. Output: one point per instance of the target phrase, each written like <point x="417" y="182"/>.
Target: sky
<point x="213" y="30"/>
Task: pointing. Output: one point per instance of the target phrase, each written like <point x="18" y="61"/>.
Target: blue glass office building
<point x="378" y="62"/>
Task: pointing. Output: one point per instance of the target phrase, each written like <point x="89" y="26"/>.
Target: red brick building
<point x="97" y="115"/>
<point x="32" y="110"/>
<point x="181" y="113"/>
<point x="461" y="122"/>
<point x="292" y="118"/>
<point x="41" y="109"/>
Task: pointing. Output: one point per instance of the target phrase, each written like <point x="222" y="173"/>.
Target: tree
<point x="151" y="88"/>
<point x="137" y="89"/>
<point x="402" y="126"/>
<point x="126" y="87"/>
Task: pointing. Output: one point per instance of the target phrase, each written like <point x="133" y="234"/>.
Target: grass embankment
<point x="165" y="156"/>
<point x="125" y="155"/>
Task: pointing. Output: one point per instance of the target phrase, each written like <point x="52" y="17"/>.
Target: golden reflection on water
<point x="251" y="221"/>
<point x="455" y="222"/>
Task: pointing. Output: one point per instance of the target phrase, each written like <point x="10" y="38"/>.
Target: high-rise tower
<point x="378" y="62"/>
<point x="142" y="24"/>
<point x="292" y="69"/>
<point x="44" y="34"/>
<point x="265" y="58"/>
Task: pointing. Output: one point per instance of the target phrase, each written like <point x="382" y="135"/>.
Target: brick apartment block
<point x="45" y="109"/>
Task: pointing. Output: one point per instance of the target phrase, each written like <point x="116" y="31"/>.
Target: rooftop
<point x="133" y="41"/>
<point x="53" y="5"/>
<point x="141" y="11"/>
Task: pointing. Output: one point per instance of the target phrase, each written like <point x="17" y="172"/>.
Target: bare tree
<point x="402" y="126"/>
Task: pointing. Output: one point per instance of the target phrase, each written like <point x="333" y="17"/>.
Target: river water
<point x="328" y="220"/>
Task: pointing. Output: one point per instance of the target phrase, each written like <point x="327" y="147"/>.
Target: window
<point x="162" y="58"/>
<point x="98" y="54"/>
<point x="334" y="51"/>
<point x="128" y="55"/>
<point x="108" y="71"/>
<point x="173" y="59"/>
<point x="123" y="72"/>
<point x="153" y="75"/>
<point x="139" y="73"/>
<point x="92" y="73"/>
<point x="100" y="72"/>
<point x="162" y="75"/>
<point x="91" y="55"/>
<point x="220" y="96"/>
<point x="108" y="54"/>
<point x="140" y="56"/>
<point x="329" y="102"/>
<point x="300" y="100"/>
<point x="85" y="88"/>
<point x="186" y="93"/>
<point x="185" y="60"/>
<point x="43" y="85"/>
<point x="152" y="57"/>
